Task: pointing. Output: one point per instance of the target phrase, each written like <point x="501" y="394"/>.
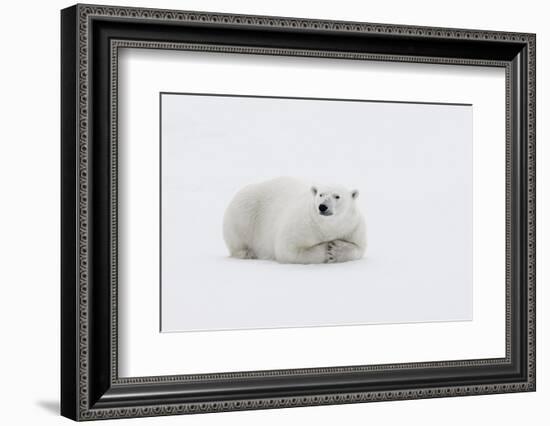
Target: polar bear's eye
<point x="337" y="197"/>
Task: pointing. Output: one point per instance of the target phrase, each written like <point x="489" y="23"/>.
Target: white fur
<point x="280" y="220"/>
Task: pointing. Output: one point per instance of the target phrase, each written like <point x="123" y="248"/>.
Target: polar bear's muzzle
<point x="324" y="210"/>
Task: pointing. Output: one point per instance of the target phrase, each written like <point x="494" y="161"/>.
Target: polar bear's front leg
<point x="308" y="255"/>
<point x="343" y="251"/>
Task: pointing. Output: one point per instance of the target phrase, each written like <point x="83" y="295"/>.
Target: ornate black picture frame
<point x="90" y="385"/>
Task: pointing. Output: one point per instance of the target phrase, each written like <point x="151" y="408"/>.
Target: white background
<point x="29" y="167"/>
<point x="413" y="165"/>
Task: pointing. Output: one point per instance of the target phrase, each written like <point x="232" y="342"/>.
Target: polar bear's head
<point x="333" y="200"/>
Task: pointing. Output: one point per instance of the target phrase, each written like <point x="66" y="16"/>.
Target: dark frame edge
<point x="281" y="18"/>
<point x="523" y="209"/>
<point x="533" y="187"/>
<point x="69" y="311"/>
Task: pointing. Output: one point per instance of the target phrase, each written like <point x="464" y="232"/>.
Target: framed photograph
<point x="263" y="212"/>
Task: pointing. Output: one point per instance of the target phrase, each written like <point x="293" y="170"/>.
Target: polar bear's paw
<point x="245" y="253"/>
<point x="340" y="251"/>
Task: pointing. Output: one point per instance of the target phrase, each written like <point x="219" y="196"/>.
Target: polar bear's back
<point x="254" y="215"/>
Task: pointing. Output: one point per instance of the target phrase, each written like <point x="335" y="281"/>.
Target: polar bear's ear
<point x="314" y="190"/>
<point x="354" y="194"/>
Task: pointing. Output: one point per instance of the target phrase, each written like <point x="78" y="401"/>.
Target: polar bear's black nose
<point x="322" y="207"/>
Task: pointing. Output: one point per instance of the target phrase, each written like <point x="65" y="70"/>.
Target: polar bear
<point x="287" y="220"/>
